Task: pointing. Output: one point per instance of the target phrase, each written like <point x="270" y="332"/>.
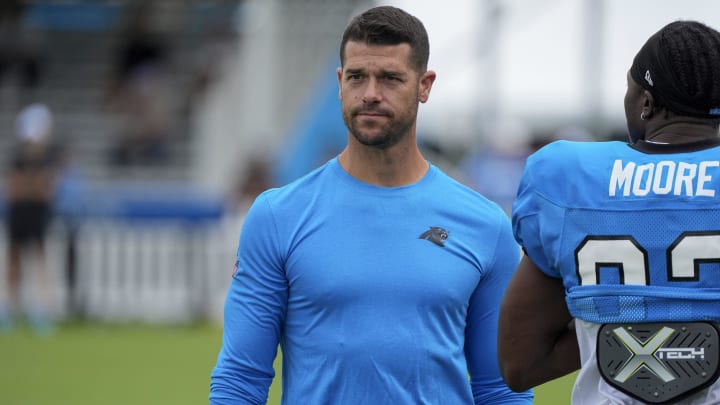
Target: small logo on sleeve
<point x="235" y="267"/>
<point x="436" y="235"/>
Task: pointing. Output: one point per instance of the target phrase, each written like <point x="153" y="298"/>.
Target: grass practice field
<point x="130" y="365"/>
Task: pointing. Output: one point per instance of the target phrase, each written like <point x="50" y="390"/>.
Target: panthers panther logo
<point x="435" y="235"/>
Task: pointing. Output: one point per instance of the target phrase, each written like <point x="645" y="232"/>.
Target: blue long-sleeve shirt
<point x="375" y="295"/>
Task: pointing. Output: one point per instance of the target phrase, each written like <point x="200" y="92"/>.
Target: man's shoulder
<point x="563" y="153"/>
<point x="571" y="173"/>
<point x="298" y="190"/>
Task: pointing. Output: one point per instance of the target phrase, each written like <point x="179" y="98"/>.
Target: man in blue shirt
<point x="379" y="276"/>
<point x="622" y="240"/>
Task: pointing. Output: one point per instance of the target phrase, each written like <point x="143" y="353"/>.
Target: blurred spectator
<point x="255" y="178"/>
<point x="19" y="47"/>
<point x="216" y="49"/>
<point x="573" y="133"/>
<point x="494" y="169"/>
<point x="140" y="91"/>
<point x="70" y="205"/>
<point x="319" y="134"/>
<point x="30" y="186"/>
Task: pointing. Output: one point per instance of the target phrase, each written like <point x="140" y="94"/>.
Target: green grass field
<point x="130" y="365"/>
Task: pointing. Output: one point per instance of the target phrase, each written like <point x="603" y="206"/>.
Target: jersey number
<point x="684" y="257"/>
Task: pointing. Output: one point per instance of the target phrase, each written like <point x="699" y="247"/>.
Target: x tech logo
<point x="643" y="355"/>
<point x="659" y="362"/>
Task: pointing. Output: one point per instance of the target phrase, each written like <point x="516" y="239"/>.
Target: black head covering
<point x="652" y="70"/>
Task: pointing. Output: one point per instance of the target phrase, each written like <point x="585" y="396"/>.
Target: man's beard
<point x="392" y="134"/>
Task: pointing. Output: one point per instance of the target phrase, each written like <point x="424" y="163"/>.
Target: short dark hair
<point x="387" y="25"/>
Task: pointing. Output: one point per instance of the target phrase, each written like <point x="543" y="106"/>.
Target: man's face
<point x="380" y="92"/>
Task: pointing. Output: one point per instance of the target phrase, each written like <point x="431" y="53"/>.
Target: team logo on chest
<point x="436" y="235"/>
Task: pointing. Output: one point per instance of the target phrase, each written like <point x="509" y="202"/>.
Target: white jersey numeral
<point x="630" y="259"/>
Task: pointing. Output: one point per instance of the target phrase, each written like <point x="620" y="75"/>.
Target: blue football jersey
<point x="634" y="232"/>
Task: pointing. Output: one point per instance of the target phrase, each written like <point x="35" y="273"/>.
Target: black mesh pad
<point x="658" y="362"/>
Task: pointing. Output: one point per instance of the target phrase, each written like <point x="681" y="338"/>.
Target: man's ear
<point x="648" y="108"/>
<point x="339" y="78"/>
<point x="426" y="81"/>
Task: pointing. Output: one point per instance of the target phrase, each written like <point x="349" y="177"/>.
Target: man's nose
<point x="372" y="92"/>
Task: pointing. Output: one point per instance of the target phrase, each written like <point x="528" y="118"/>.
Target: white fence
<point x="152" y="271"/>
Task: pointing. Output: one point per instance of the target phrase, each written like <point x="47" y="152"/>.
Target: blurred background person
<point x="30" y="189"/>
<point x="21" y="60"/>
<point x="139" y="92"/>
<point x="494" y="168"/>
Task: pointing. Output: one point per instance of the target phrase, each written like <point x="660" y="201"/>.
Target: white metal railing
<point x="154" y="271"/>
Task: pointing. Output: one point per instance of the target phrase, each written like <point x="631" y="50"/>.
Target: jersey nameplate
<point x="665" y="177"/>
